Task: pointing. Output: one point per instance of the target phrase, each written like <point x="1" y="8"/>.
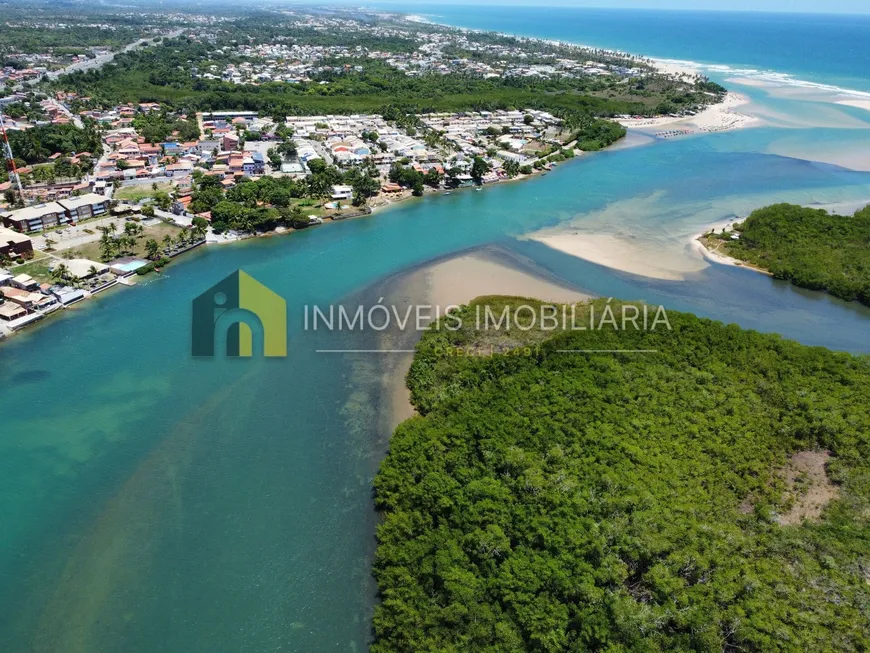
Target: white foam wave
<point x="770" y="77"/>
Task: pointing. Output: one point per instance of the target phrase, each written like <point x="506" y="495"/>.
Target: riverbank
<point x="632" y="256"/>
<point x="711" y="250"/>
<point x="458" y="280"/>
<point x="714" y="118"/>
<point x="812" y="248"/>
<point x="129" y="280"/>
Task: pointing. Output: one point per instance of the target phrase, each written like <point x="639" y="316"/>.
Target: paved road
<point x="99" y="62"/>
<point x="69" y="114"/>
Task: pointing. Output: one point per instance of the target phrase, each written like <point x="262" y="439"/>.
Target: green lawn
<point x="139" y="192"/>
<point x="92" y="250"/>
<point x="37" y="268"/>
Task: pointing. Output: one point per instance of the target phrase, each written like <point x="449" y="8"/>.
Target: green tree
<point x="152" y="249"/>
<point x="60" y="273"/>
<point x="433" y="178"/>
<point x="479" y="167"/>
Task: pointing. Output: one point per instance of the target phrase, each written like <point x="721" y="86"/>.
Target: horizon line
<point x="565" y="5"/>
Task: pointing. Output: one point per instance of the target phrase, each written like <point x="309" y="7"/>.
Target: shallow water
<point x="151" y="501"/>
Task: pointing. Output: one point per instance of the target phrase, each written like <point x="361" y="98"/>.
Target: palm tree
<point x="199" y="233"/>
<point x="167" y="242"/>
<point x="107" y="245"/>
<point x="60" y="272"/>
<point x="152" y="248"/>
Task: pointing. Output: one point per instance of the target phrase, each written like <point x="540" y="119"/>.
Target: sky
<point x="813" y="6"/>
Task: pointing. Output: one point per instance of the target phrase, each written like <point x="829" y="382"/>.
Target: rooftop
<point x="83" y="200"/>
<point x="10" y="236"/>
<point x="31" y="212"/>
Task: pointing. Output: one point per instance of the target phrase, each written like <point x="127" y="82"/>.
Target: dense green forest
<point x="66" y="40"/>
<point x="547" y="500"/>
<point x="38" y="143"/>
<point x="809" y="247"/>
<point x="157" y="127"/>
<point x="161" y="74"/>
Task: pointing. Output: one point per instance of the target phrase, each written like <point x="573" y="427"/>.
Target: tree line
<point x="810" y="247"/>
<point x="549" y="501"/>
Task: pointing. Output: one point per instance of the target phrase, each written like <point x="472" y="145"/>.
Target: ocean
<point x="151" y="501"/>
<point x="830" y="50"/>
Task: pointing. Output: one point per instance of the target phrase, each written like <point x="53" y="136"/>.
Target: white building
<point x="340" y="192"/>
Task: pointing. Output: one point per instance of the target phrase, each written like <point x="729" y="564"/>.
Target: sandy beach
<point x="715" y="118"/>
<point x="861" y="104"/>
<point x="676" y="67"/>
<point x="622" y="254"/>
<point x="458" y="281"/>
<point x="713" y="255"/>
<point x="842" y="208"/>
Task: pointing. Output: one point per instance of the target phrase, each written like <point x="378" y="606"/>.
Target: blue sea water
<point x="150" y="501"/>
<point x="818" y="48"/>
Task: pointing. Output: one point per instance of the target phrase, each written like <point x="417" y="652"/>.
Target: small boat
<point x="447" y="193"/>
<point x="478" y="189"/>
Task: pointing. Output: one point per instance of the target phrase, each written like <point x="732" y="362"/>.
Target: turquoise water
<point x="151" y="501"/>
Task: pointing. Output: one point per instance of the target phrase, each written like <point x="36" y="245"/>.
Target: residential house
<point x="179" y="169"/>
<point x="179" y="206"/>
<point x="259" y="163"/>
<point x="11" y="311"/>
<point x="230" y="142"/>
<point x="67" y="295"/>
<point x="27" y="299"/>
<point x="24" y="282"/>
<point x="341" y="192"/>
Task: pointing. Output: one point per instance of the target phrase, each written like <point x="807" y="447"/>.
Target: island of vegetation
<point x="812" y="248"/>
<point x="709" y="492"/>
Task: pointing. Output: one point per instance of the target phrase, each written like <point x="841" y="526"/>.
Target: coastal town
<point x="96" y="194"/>
<point x="501" y="327"/>
<point x="407" y="48"/>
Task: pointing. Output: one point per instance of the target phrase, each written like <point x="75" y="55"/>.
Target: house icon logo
<point x="245" y="311"/>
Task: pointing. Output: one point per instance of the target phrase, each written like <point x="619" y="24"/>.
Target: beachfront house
<point x="24" y="282"/>
<point x="341" y="192"/>
<point x="11" y="311"/>
<point x="83" y="268"/>
<point x="67" y="295"/>
<point x="27" y="299"/>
